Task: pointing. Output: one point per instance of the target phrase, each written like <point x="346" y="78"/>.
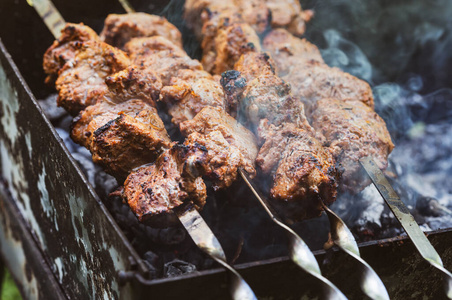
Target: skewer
<point x="300" y="253"/>
<point x="370" y="283"/>
<point x="405" y="219"/>
<point x="190" y="218"/>
<point x="50" y="15"/>
<point x="127" y="6"/>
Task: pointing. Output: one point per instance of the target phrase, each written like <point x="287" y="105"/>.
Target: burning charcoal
<point x="50" y="108"/>
<point x="151" y="257"/>
<point x="178" y="267"/>
<point x="166" y="236"/>
<point x="151" y="260"/>
<point x="429" y="206"/>
<point x="105" y="184"/>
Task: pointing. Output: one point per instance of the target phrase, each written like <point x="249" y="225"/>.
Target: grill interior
<point x="412" y="96"/>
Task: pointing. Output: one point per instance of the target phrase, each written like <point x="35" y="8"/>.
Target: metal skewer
<point x="407" y="221"/>
<point x="206" y="240"/>
<point x="50" y="15"/>
<point x="300" y="253"/>
<point x="193" y="222"/>
<point x="127" y="6"/>
<point x="370" y="283"/>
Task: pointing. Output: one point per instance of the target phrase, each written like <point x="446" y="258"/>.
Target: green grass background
<point x="9" y="290"/>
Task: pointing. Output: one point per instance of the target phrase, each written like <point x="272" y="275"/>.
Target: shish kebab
<point x="350" y="133"/>
<point x="337" y="107"/>
<point x="185" y="93"/>
<point x="82" y="64"/>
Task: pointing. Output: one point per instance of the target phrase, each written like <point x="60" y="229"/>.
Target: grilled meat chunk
<point x="214" y="158"/>
<point x="81" y="81"/>
<point x="190" y="91"/>
<point x="121" y="136"/>
<point x="201" y="14"/>
<point x="314" y="81"/>
<point x="215" y="119"/>
<point x="147" y="53"/>
<point x="289" y="51"/>
<point x="303" y="170"/>
<point x="260" y="92"/>
<point x="119" y="29"/>
<point x="250" y="66"/>
<point x="224" y="48"/>
<point x="352" y="130"/>
<point x="155" y="191"/>
<point x="65" y="48"/>
<point x="95" y="116"/>
<point x="288" y="14"/>
<point x="299" y="63"/>
<point x="128" y="142"/>
<point x="269" y="97"/>
<point x="139" y="48"/>
<point x="135" y="83"/>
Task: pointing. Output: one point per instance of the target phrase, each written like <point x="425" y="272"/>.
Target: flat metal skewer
<point x="407" y="221"/>
<point x="206" y="240"/>
<point x="50" y="15"/>
<point x="127" y="6"/>
<point x="371" y="283"/>
<point x="300" y="253"/>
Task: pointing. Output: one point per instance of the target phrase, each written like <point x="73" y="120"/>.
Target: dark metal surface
<point x="22" y="257"/>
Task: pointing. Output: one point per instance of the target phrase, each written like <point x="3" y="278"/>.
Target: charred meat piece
<point x="352" y="130"/>
<point x="146" y="53"/>
<point x="65" y="48"/>
<point x="135" y="83"/>
<point x="300" y="64"/>
<point x="81" y="81"/>
<point x="200" y="14"/>
<point x="99" y="114"/>
<point x="289" y="51"/>
<point x="222" y="50"/>
<point x="303" y="171"/>
<point x="119" y="29"/>
<point x="215" y="119"/>
<point x="189" y="92"/>
<point x="288" y="14"/>
<point x="250" y="66"/>
<point x="155" y="191"/>
<point x="138" y="48"/>
<point x="214" y="158"/>
<point x="128" y="142"/>
<point x="269" y="97"/>
<point x="121" y="136"/>
<point x="313" y="81"/>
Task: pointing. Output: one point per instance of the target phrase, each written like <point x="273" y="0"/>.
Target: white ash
<point x="178" y="267"/>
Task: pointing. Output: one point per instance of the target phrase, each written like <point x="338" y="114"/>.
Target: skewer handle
<point x="405" y="219"/>
<point x="50" y="15"/>
<point x="127" y="6"/>
<point x="206" y="240"/>
<point x="300" y="253"/>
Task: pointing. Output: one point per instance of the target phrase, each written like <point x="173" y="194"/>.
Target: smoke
<point x="398" y="37"/>
<point x="346" y="56"/>
<point x="402" y="48"/>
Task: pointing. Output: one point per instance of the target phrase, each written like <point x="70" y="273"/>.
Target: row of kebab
<point x="261" y="99"/>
